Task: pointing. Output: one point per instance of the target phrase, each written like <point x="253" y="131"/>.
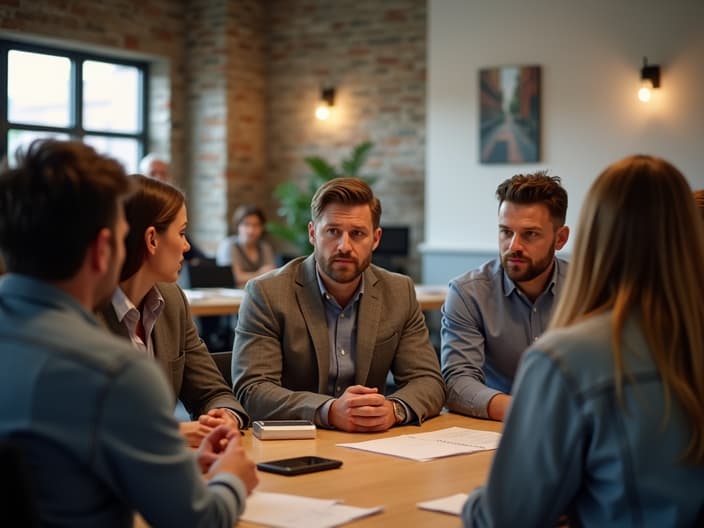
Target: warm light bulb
<point x="644" y="94"/>
<point x="322" y="112"/>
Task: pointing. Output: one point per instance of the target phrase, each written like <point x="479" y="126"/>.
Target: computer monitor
<point x="393" y="248"/>
<point x="394" y="241"/>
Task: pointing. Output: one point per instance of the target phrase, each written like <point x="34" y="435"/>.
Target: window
<point x="65" y="94"/>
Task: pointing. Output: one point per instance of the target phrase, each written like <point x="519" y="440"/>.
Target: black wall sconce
<point x="649" y="78"/>
<point x="327" y="101"/>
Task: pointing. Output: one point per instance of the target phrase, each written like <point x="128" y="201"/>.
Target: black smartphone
<point x="299" y="465"/>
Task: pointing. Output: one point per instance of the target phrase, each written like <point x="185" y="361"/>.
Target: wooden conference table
<point x="369" y="479"/>
<point x="226" y="301"/>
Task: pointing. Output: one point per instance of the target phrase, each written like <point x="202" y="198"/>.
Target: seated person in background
<point x="150" y="310"/>
<point x="92" y="417"/>
<point x="247" y="253"/>
<point x="316" y="338"/>
<point x="607" y="421"/>
<point x="493" y="313"/>
<point x="699" y="200"/>
<point x="156" y="166"/>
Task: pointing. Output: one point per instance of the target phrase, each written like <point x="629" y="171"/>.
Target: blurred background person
<point x="607" y="420"/>
<point x="152" y="311"/>
<point x="155" y="166"/>
<point x="246" y="251"/>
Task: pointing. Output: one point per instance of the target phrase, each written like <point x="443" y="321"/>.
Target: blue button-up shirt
<point x="487" y="323"/>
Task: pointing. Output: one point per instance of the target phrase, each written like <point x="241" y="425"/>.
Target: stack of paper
<point x="436" y="444"/>
<point x="293" y="511"/>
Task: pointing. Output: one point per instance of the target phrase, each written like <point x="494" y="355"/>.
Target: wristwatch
<point x="399" y="411"/>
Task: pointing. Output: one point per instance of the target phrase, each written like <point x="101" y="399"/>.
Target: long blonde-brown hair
<point x="640" y="248"/>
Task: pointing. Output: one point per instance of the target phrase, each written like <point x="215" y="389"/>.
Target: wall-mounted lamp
<point x="649" y="78"/>
<point x="327" y="101"/>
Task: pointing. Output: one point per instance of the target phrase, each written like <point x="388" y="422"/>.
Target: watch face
<point x="399" y="411"/>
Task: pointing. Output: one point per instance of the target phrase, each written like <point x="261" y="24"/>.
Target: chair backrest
<point x="223" y="360"/>
<point x="17" y="501"/>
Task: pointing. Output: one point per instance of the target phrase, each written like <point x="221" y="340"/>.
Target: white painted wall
<point x="591" y="53"/>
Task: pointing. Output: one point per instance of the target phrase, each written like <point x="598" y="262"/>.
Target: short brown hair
<point x="245" y="210"/>
<point x="533" y="188"/>
<point x="54" y="203"/>
<point x="154" y="203"/>
<point x="347" y="191"/>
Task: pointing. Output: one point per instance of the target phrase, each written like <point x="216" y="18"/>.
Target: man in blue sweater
<point x="93" y="419"/>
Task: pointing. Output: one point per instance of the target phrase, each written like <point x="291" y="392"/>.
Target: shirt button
<point x="342" y="351"/>
<point x="535" y="310"/>
<point x="338" y="388"/>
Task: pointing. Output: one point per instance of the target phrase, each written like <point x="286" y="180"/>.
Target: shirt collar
<point x="510" y="286"/>
<point x="153" y="303"/>
<point x="326" y="295"/>
<point x="29" y="287"/>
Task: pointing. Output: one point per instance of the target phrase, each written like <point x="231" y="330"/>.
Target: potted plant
<point x="295" y="200"/>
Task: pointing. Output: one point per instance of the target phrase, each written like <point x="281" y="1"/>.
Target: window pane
<point x="38" y="88"/>
<point x="110" y="97"/>
<point x="123" y="150"/>
<point x="22" y="138"/>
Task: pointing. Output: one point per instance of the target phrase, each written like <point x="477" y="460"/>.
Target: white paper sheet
<point x="436" y="444"/>
<point x="294" y="511"/>
<point x="452" y="504"/>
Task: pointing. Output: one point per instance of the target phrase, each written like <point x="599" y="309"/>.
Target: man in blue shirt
<point x="493" y="313"/>
<point x="93" y="419"/>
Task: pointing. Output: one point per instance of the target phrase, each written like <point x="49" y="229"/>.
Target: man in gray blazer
<point x="317" y="338"/>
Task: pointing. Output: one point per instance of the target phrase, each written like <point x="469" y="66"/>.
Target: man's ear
<point x="150" y="240"/>
<point x="311" y="233"/>
<point x="563" y="233"/>
<point x="100" y="251"/>
<point x="377" y="238"/>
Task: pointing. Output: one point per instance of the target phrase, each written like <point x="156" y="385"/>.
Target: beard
<point x="342" y="273"/>
<point x="528" y="269"/>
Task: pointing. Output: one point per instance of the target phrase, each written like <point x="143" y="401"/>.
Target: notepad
<point x="436" y="444"/>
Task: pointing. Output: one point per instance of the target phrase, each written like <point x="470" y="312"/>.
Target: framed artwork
<point x="509" y="114"/>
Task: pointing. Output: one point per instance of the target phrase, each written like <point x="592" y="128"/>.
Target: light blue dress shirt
<point x="487" y="323"/>
<point x="568" y="442"/>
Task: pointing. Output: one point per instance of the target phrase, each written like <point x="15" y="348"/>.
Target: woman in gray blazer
<point x="151" y="310"/>
<point x="607" y="419"/>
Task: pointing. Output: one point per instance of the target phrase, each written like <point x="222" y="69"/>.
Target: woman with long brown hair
<point x="607" y="421"/>
<point x="151" y="310"/>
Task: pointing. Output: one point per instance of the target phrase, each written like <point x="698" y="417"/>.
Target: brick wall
<point x="374" y="53"/>
<point x="234" y="85"/>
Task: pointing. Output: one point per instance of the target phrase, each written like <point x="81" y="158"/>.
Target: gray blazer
<point x="281" y="351"/>
<point x="183" y="356"/>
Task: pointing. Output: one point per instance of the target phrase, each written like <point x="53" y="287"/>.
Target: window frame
<point x="76" y="129"/>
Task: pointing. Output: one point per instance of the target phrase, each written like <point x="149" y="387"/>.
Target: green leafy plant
<point x="295" y="200"/>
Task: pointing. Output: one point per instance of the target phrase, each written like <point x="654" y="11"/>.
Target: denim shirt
<point x="95" y="420"/>
<point x="570" y="444"/>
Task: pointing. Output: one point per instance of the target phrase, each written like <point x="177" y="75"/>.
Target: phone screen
<point x="299" y="465"/>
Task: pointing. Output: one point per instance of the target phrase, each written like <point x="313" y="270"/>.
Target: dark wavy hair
<point x="536" y="188"/>
<point x="154" y="203"/>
